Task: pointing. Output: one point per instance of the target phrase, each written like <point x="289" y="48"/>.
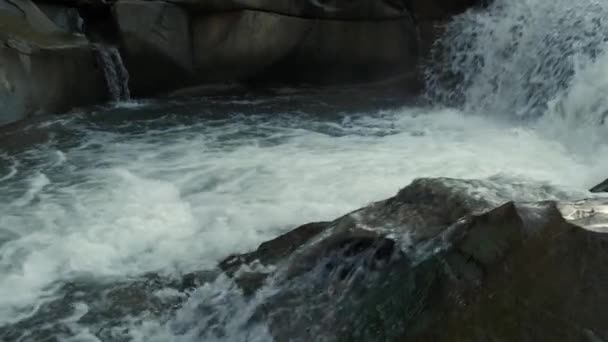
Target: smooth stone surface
<point x="269" y="47"/>
<point x="155" y="38"/>
<point x="239" y="45"/>
<point x="42" y="68"/>
<point x="347" y="51"/>
<point x="66" y="18"/>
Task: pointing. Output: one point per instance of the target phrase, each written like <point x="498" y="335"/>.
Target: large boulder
<point x="320" y="9"/>
<point x="42" y="68"/>
<point x="155" y="38"/>
<point x="602" y="187"/>
<point x="437" y="262"/>
<point x="24" y="15"/>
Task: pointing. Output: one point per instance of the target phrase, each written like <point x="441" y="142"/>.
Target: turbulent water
<point x="519" y="97"/>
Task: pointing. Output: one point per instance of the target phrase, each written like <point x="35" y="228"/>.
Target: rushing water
<point x="173" y="187"/>
<point x="114" y="71"/>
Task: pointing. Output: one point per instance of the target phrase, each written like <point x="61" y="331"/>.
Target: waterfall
<point x="115" y="72"/>
<point x="526" y="59"/>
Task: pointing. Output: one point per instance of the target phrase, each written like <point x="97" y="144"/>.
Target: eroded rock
<point x="335" y="51"/>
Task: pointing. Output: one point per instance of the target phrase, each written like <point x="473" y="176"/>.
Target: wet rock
<point x="239" y="45"/>
<point x="36" y="58"/>
<point x="25" y="16"/>
<point x="155" y="37"/>
<point x="268" y="254"/>
<point x="168" y="47"/>
<point x="275" y="250"/>
<point x="440" y="262"/>
<point x="602" y="187"/>
<point x="66" y="18"/>
<point x="334" y="51"/>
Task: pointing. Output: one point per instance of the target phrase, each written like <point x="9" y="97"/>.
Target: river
<point x="174" y="186"/>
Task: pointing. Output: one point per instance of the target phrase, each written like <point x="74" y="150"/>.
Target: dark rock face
<point x="441" y="9"/>
<point x="311" y="9"/>
<point x="156" y="40"/>
<point x="43" y="68"/>
<point x="239" y="45"/>
<point x="260" y="45"/>
<point x="602" y="187"/>
<point x="66" y="18"/>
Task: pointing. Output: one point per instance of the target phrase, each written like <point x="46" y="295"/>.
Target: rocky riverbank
<point x="50" y="50"/>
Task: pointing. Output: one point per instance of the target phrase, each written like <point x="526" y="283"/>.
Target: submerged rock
<point x="602" y="187"/>
<point x="239" y="45"/>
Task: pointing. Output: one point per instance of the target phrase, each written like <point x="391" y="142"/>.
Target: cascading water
<point x="115" y="72"/>
<point x="169" y="188"/>
<point x="522" y="58"/>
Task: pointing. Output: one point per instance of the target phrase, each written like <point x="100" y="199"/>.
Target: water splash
<point x="519" y="58"/>
<point x="115" y="72"/>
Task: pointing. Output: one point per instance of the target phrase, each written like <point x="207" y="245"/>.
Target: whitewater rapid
<point x="174" y="187"/>
<point x="160" y="195"/>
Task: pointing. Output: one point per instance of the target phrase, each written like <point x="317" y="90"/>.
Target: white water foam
<point x="539" y="63"/>
<point x="516" y="56"/>
<point x="182" y="198"/>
